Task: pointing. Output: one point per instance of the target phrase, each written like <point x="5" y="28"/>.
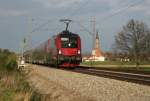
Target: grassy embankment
<point x="13" y="85"/>
<point x="143" y="66"/>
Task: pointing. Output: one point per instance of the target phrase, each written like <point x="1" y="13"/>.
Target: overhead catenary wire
<point x="78" y="9"/>
<point x="131" y="5"/>
<point x="83" y="27"/>
<point x="69" y="16"/>
<point x="82" y="6"/>
<point x="40" y="26"/>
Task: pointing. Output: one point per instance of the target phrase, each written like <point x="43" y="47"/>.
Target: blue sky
<point x="110" y="15"/>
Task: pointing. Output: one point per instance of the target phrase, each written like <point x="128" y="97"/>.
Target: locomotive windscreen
<point x="69" y="42"/>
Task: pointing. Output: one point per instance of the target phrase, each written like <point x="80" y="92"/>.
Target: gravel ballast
<point x="76" y="86"/>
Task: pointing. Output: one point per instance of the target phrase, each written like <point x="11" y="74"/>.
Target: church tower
<point x="97" y="54"/>
<point x="97" y="41"/>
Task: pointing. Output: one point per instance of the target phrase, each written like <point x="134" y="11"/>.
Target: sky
<point x="19" y="17"/>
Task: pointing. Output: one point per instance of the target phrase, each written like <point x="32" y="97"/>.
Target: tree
<point x="134" y="39"/>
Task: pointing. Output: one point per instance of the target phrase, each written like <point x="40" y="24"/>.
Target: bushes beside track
<point x="13" y="84"/>
<point x="7" y="60"/>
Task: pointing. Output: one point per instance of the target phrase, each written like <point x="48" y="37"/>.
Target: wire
<point x="71" y="15"/>
<point x="122" y="9"/>
<point x="81" y="7"/>
<point x="109" y="16"/>
<point x="78" y="9"/>
<point x="40" y="26"/>
<point x="84" y="28"/>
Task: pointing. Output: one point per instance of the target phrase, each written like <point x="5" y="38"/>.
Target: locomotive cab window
<point x="69" y="42"/>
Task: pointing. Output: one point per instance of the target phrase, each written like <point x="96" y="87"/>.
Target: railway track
<point x="134" y="77"/>
<point x="129" y="76"/>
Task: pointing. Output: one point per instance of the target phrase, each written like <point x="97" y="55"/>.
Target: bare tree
<point x="134" y="39"/>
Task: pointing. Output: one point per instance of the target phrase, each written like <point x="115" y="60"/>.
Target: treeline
<point x="7" y="60"/>
<point x="133" y="41"/>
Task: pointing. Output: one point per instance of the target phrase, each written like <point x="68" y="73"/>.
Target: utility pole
<point x="93" y="23"/>
<point x="23" y="48"/>
<point x="29" y="37"/>
<point x="93" y="26"/>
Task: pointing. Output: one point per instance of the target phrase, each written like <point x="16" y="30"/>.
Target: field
<point x="117" y="65"/>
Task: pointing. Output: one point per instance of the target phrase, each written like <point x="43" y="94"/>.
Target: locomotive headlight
<point x="59" y="52"/>
<point x="69" y="44"/>
<point x="79" y="52"/>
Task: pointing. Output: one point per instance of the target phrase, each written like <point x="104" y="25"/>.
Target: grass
<point x="113" y="63"/>
<point x="146" y="69"/>
<point x="12" y="84"/>
<point x="14" y="87"/>
<point x="118" y="65"/>
<point x="7" y="94"/>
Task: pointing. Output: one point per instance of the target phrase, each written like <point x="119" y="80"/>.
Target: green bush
<point x="7" y="60"/>
<point x="9" y="89"/>
<point x="3" y="59"/>
<point x="11" y="65"/>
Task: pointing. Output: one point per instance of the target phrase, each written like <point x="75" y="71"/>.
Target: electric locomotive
<point x="62" y="50"/>
<point x="69" y="49"/>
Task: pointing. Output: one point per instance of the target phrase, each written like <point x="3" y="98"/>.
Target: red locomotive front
<point x="69" y="49"/>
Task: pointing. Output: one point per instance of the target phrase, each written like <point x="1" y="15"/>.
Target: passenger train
<point x="61" y="50"/>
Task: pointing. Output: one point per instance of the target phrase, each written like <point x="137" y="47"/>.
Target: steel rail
<point x="124" y="76"/>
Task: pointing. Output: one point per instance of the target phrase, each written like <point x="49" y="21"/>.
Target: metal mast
<point x="29" y="37"/>
<point x="93" y="23"/>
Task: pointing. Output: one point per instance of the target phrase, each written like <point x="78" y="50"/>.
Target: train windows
<point x="69" y="43"/>
<point x="64" y="44"/>
<point x="64" y="39"/>
<point x="73" y="42"/>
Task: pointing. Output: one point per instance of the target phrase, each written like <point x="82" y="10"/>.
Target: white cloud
<point x="58" y="3"/>
<point x="142" y="8"/>
<point x="128" y="6"/>
<point x="6" y="12"/>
